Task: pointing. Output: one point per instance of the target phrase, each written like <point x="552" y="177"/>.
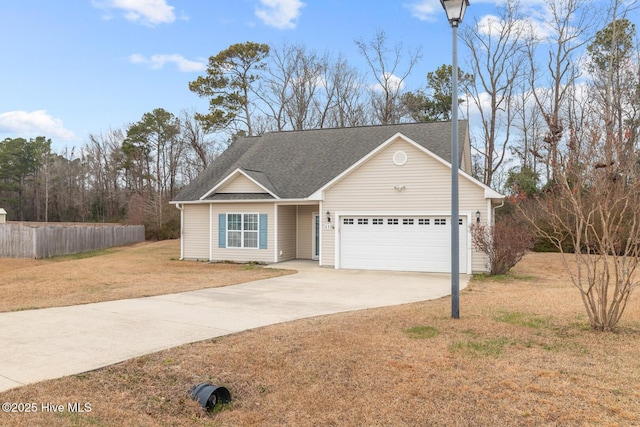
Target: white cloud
<point x="534" y="10"/>
<point x="489" y="24"/>
<point x="146" y="12"/>
<point x="279" y="13"/>
<point x="394" y="83"/>
<point x="493" y="25"/>
<point x="157" y="62"/>
<point x="425" y="10"/>
<point x="29" y="124"/>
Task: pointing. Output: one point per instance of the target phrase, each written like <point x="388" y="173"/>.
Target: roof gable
<point x="488" y="192"/>
<point x="242" y="181"/>
<point x="219" y="169"/>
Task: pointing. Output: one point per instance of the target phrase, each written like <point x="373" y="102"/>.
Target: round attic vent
<point x="400" y="158"/>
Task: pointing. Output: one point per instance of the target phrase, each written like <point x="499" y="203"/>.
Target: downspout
<point x="321" y="227"/>
<point x="276" y="246"/>
<point x="211" y="232"/>
<point x="494" y="210"/>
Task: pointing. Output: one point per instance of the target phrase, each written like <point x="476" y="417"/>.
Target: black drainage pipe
<point x="209" y="395"/>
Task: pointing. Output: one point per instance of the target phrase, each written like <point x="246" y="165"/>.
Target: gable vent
<point x="400" y="158"/>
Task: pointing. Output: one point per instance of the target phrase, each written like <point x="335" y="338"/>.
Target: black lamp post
<point x="455" y="12"/>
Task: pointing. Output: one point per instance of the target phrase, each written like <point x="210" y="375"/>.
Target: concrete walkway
<point x="36" y="345"/>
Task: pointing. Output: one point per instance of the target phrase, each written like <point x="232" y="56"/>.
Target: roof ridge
<point x="350" y="127"/>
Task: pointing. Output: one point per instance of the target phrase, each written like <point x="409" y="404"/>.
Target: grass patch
<point x="82" y="255"/>
<point x="523" y="319"/>
<point x="421" y="332"/>
<point x="80" y="419"/>
<point x="555" y="347"/>
<point x="488" y="347"/>
<point x="25" y="308"/>
<point x="502" y="278"/>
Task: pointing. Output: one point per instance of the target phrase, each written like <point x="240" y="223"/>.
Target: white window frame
<point x="243" y="231"/>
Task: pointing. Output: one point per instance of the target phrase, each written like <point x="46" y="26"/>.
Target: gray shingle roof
<point x="294" y="164"/>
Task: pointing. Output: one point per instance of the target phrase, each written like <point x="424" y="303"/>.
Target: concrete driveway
<point x="36" y="345"/>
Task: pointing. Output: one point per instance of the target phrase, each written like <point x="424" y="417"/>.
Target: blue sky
<point x="75" y="67"/>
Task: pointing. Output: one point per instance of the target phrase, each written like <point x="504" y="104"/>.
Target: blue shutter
<point x="263" y="231"/>
<point x="222" y="230"/>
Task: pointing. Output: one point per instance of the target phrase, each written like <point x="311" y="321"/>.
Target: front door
<point x="316" y="237"/>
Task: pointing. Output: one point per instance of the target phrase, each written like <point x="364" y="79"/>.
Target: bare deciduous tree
<point x="106" y="179"/>
<point x="570" y="24"/>
<point x="199" y="147"/>
<point x="592" y="211"/>
<point x="386" y="63"/>
<point x="304" y="90"/>
<point x="592" y="215"/>
<point x="274" y="89"/>
<point x="343" y="104"/>
<point x="290" y="89"/>
<point x="307" y="70"/>
<point x="496" y="45"/>
<point x="529" y="126"/>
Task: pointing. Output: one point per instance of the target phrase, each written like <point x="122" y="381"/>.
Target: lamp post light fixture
<point x="455" y="12"/>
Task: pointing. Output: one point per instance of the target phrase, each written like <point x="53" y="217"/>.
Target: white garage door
<point x="404" y="243"/>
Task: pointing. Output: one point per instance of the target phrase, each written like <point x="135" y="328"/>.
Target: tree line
<point x="530" y="95"/>
<point x="129" y="174"/>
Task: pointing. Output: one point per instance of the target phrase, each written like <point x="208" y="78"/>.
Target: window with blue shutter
<point x="222" y="230"/>
<point x="242" y="230"/>
<point x="263" y="231"/>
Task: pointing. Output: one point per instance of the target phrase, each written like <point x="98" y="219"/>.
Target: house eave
<point x="493" y="195"/>
<point x="305" y="201"/>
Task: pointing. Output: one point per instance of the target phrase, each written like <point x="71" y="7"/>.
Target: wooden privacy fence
<point x="43" y="240"/>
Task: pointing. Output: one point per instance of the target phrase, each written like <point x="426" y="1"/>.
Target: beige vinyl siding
<point x="466" y="156"/>
<point x="195" y="232"/>
<point x="243" y="254"/>
<point x="240" y="184"/>
<point x="427" y="189"/>
<point x="286" y="232"/>
<point x="305" y="231"/>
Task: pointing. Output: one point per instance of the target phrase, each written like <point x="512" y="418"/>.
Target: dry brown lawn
<point x="140" y="270"/>
<point x="522" y="354"/>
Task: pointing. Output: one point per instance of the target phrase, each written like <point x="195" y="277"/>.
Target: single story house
<point x="372" y="197"/>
